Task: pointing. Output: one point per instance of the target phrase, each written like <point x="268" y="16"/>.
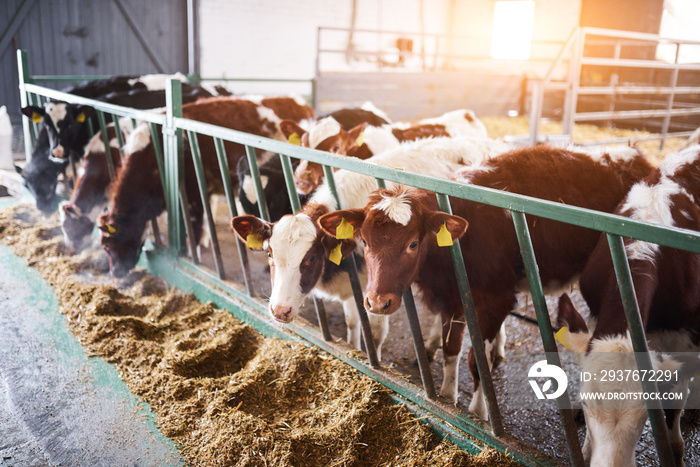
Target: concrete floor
<point x="57" y="405"/>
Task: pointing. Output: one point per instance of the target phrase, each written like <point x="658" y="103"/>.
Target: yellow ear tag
<point x="444" y="237"/>
<point x="110" y="228"/>
<point x="294" y="139"/>
<point x="345" y="230"/>
<point x="562" y="336"/>
<point x="336" y="255"/>
<point x="36" y="117"/>
<point x="361" y="139"/>
<point x="81" y="117"/>
<point x="254" y="240"/>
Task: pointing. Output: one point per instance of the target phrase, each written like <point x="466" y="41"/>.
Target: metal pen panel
<point x="173" y="167"/>
<point x="24" y="78"/>
<point x="204" y="194"/>
<point x="233" y="212"/>
<point x="639" y="344"/>
<point x="479" y="350"/>
<point x="527" y="253"/>
<point x="119" y="134"/>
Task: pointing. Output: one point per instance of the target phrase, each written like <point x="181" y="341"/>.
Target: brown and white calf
<point x="667" y="286"/>
<point x="299" y="251"/>
<point x="138" y="193"/>
<point x="89" y="198"/>
<point x="364" y="141"/>
<point x="398" y="228"/>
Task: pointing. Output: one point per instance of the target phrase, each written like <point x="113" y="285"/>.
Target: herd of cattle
<point x="398" y="234"/>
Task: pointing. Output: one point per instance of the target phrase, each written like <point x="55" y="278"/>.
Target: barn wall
<point x="88" y="37"/>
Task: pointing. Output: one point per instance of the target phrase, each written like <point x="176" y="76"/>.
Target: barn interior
<point x="589" y="72"/>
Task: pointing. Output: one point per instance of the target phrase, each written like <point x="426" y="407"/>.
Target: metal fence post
<point x="23" y="67"/>
<point x="173" y="164"/>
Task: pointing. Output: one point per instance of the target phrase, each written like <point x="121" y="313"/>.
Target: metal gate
<point x="172" y="263"/>
<point x="80" y="38"/>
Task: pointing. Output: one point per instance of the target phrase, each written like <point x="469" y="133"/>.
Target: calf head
<point x="297" y="252"/>
<point x="40" y="179"/>
<point x="76" y="226"/>
<point x="327" y="135"/>
<point x="66" y="126"/>
<point x="613" y="426"/>
<point x="398" y="232"/>
<point x="121" y="242"/>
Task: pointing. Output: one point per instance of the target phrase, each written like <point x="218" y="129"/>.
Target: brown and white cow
<point x="398" y="228"/>
<point x="138" y="194"/>
<point x="667" y="286"/>
<point x="299" y="252"/>
<point x="364" y="141"/>
<point x="89" y="198"/>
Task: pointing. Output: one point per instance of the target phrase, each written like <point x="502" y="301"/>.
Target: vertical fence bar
<point x="350" y="266"/>
<point x="118" y="133"/>
<point x="671" y="97"/>
<point x="639" y="343"/>
<point x="545" y="325"/>
<point x="288" y="172"/>
<point x="24" y="78"/>
<point x="105" y="141"/>
<point x="259" y="190"/>
<point x="417" y="334"/>
<point x="465" y="292"/>
<point x="158" y="149"/>
<point x="233" y="212"/>
<point x="574" y="80"/>
<point x="173" y="158"/>
<point x="203" y="193"/>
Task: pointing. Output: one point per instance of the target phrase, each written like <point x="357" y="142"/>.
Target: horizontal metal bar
<point x="590" y="116"/>
<point x="600" y="90"/>
<point x="261" y="80"/>
<point x="145" y="115"/>
<point x="57" y="79"/>
<point x="636" y="139"/>
<point x="637" y="63"/>
<point x="634" y="35"/>
<point x="673" y="237"/>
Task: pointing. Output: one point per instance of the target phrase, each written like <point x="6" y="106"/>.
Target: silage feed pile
<point x="222" y="392"/>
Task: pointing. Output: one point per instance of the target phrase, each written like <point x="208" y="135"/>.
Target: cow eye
<point x="269" y="254"/>
<point x="413" y="245"/>
<point x="312" y="259"/>
<point x="335" y="149"/>
<point x="364" y="242"/>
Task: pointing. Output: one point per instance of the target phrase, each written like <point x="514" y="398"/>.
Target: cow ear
<point x="71" y="210"/>
<point x="33" y="112"/>
<point x="441" y="224"/>
<point x="357" y="133"/>
<point x="292" y="131"/>
<point x="84" y="112"/>
<point x="574" y="334"/>
<point x="344" y="224"/>
<point x="19" y="170"/>
<point x="251" y="230"/>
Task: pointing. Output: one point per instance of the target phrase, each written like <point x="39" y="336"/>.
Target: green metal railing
<point x="242" y="302"/>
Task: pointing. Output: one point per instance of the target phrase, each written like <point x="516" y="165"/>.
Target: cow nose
<point x="282" y="314"/>
<point x="58" y="152"/>
<point x="381" y="304"/>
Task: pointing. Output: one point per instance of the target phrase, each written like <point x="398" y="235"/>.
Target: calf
<point x="300" y="253"/>
<point x="667" y="286"/>
<point x="138" y="194"/>
<point x="91" y="190"/>
<point x="364" y="141"/>
<point x="271" y="173"/>
<point x="398" y="228"/>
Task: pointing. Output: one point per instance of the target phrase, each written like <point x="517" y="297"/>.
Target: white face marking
<point x="249" y="187"/>
<point x="138" y="139"/>
<point x="614" y="426"/>
<point x="398" y="208"/>
<point x="676" y="160"/>
<point x="292" y="237"/>
<point x="324" y="129"/>
<point x="56" y="112"/>
<point x="156" y="82"/>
